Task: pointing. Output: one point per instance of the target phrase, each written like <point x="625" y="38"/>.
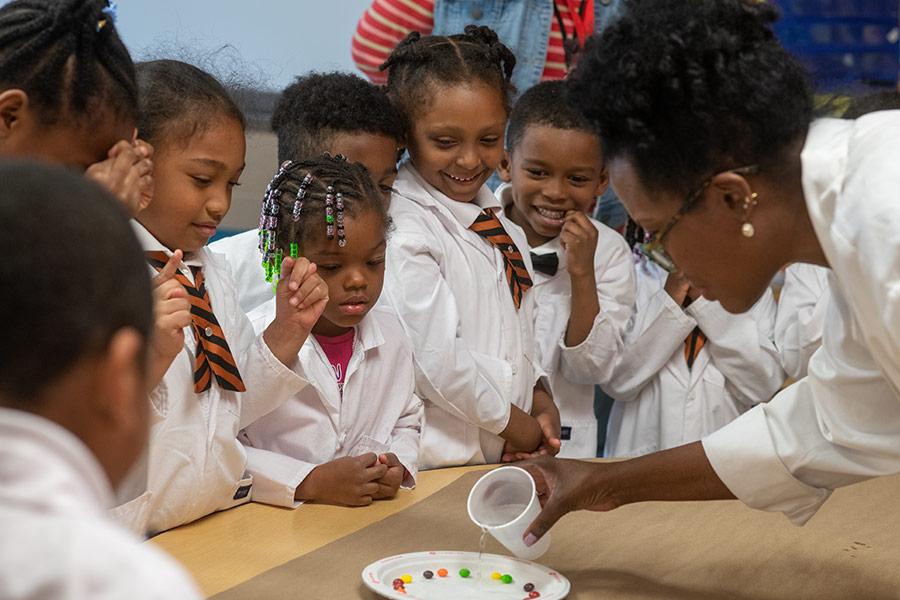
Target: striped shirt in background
<point x="386" y="22"/>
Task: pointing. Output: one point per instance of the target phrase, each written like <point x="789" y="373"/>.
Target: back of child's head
<point x="73" y="276"/>
<point x="544" y="104"/>
<point x="179" y="100"/>
<point x="67" y="57"/>
<point x="318" y="107"/>
<point x="307" y="201"/>
<point x="419" y="65"/>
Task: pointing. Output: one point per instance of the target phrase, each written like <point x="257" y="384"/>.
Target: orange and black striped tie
<point x="488" y="226"/>
<point x="692" y="346"/>
<point x="213" y="357"/>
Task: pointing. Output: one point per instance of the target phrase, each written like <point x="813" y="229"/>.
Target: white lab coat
<point x="195" y="463"/>
<point x="801" y="316"/>
<point x="841" y="423"/>
<point x="660" y="403"/>
<point x="474" y="351"/>
<point x="242" y="253"/>
<point x="574" y="370"/>
<point x="378" y="412"/>
<point x="57" y="539"/>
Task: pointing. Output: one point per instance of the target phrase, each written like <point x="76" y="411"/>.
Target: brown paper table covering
<point x="850" y="549"/>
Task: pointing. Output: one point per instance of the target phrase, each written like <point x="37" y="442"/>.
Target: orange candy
<point x="442" y="572"/>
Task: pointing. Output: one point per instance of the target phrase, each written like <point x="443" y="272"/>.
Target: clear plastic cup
<point x="504" y="502"/>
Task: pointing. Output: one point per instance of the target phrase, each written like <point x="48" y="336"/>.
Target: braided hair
<point x="67" y="56"/>
<point x="308" y="199"/>
<point x="418" y="63"/>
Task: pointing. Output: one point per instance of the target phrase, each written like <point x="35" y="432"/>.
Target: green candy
<point x="506" y="578"/>
<point x="464" y="573"/>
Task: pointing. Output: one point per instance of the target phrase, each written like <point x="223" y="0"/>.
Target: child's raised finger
<point x="168" y="271"/>
<point x="312" y="291"/>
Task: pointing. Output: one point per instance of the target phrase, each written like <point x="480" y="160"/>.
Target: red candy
<point x="397" y="582"/>
<point x="533" y="594"/>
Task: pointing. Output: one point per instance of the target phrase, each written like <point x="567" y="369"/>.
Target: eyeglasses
<point x="654" y="249"/>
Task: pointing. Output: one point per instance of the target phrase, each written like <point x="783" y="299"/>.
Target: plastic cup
<point x="504" y="502"/>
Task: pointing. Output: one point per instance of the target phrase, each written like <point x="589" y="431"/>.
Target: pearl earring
<point x="747" y="228"/>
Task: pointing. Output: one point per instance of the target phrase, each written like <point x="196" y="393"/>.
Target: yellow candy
<point x="406" y="578"/>
<point x="495" y="575"/>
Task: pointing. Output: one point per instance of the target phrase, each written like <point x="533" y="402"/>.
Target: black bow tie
<point x="547" y="264"/>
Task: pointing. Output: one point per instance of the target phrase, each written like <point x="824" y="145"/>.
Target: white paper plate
<point x="380" y="575"/>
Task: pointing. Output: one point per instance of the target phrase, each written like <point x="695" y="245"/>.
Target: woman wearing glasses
<point x="708" y="131"/>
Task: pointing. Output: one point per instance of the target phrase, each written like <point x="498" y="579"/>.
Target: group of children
<point x="380" y="321"/>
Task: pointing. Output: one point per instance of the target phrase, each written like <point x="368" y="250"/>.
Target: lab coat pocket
<point x="579" y="439"/>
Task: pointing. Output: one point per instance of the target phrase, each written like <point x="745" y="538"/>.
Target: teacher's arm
<point x="682" y="473"/>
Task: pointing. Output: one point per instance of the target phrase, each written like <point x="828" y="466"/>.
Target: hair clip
<point x="112" y="13"/>
<point x="301" y="194"/>
<point x="329" y="212"/>
<point x="339" y="204"/>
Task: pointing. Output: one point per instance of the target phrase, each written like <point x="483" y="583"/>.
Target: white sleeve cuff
<point x="743" y="456"/>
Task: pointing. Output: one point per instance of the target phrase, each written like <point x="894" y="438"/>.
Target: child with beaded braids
<point x="458" y="270"/>
<point x="352" y="435"/>
<point x="68" y="93"/>
<point x="214" y="374"/>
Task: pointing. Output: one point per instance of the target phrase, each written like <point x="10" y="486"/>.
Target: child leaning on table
<point x="583" y="279"/>
<point x="458" y="271"/>
<point x="352" y="435"/>
<point x="213" y="375"/>
<point x="76" y="315"/>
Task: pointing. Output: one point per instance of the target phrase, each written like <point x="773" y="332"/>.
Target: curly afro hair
<point x="316" y="107"/>
<point x="687" y="89"/>
<point x="544" y="104"/>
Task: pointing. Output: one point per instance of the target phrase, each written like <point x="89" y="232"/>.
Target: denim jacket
<point x="523" y="25"/>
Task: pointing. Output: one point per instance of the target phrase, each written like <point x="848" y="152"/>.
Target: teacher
<point x="708" y="133"/>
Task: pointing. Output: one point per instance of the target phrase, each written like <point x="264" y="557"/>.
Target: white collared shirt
<point x="242" y="253"/>
<point x="801" y="316"/>
<point x="473" y="349"/>
<point x="195" y="464"/>
<point x="574" y="370"/>
<point x="378" y="410"/>
<point x="660" y="402"/>
<point x="841" y="423"/>
<point x="57" y="539"/>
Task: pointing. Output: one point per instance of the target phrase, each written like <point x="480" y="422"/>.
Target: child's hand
<point x="390" y="483"/>
<point x="677" y="287"/>
<point x="127" y="173"/>
<point x="348" y="481"/>
<point x="172" y="313"/>
<point x="579" y="238"/>
<point x="300" y="298"/>
<point x="545" y="412"/>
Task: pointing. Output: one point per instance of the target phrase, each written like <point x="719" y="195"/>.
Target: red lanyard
<point x="584" y="24"/>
